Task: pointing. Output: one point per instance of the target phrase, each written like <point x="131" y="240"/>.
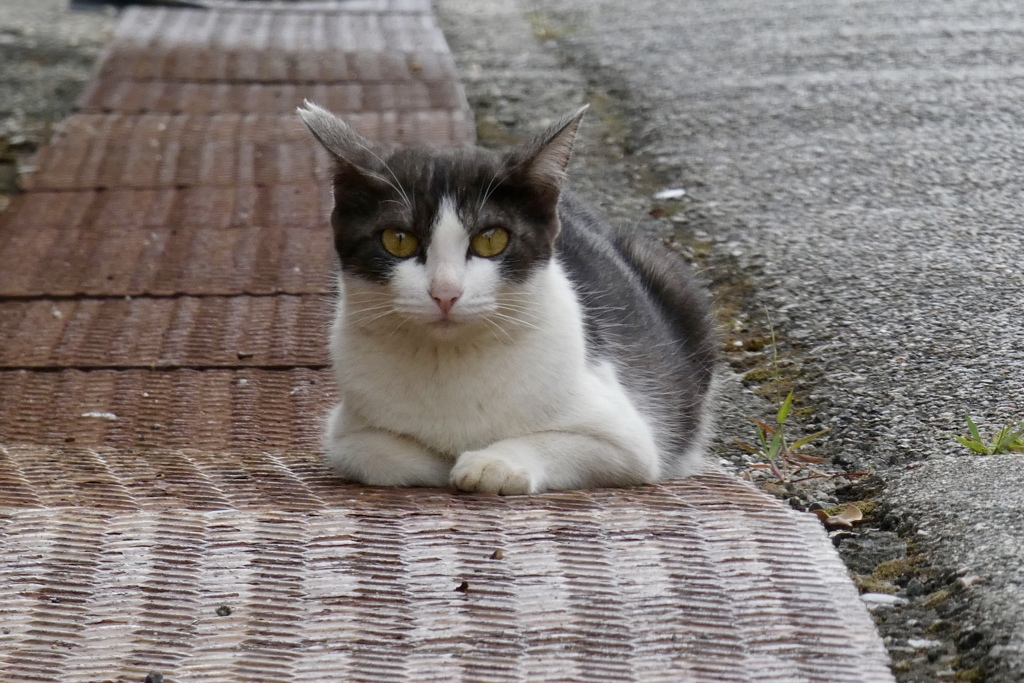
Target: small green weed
<point x="1009" y="439"/>
<point x="784" y="459"/>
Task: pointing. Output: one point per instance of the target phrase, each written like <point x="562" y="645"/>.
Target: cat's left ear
<point x="542" y="163"/>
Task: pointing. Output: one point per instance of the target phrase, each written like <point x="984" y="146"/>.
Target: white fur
<point x="496" y="396"/>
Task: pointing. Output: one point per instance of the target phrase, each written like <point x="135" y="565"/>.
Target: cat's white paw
<point x="492" y="470"/>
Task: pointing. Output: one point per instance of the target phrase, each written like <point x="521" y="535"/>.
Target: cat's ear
<point x="543" y="161"/>
<point x="348" y="147"/>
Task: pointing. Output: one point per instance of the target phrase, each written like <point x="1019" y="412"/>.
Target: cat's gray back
<point x="646" y="313"/>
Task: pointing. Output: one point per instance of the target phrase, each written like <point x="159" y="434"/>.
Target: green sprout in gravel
<point x="784" y="459"/>
<point x="1009" y="439"/>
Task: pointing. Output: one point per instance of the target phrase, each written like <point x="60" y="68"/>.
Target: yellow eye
<point x="490" y="242"/>
<point x="399" y="243"/>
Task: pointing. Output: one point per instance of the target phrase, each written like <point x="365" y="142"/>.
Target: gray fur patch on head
<point x="377" y="187"/>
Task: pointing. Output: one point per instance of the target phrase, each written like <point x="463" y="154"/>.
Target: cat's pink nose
<point x="445" y="297"/>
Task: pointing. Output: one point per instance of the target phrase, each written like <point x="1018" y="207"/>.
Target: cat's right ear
<point x="350" y="149"/>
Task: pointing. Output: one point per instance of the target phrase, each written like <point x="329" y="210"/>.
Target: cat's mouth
<point x="449" y="318"/>
<point x="446" y="324"/>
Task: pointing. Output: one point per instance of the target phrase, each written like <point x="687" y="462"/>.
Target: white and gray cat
<point x="492" y="335"/>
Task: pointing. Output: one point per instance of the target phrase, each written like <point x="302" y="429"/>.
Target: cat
<point x="491" y="335"/>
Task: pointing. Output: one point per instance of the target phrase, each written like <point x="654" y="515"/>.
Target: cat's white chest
<point x="453" y="402"/>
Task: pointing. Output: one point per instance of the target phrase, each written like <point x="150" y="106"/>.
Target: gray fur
<point x="646" y="313"/>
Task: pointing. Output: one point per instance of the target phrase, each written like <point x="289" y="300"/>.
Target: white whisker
<point x="493" y="325"/>
<point x="369" y="309"/>
<point x="489" y="191"/>
<point x="397" y="185"/>
<point x="375" y="318"/>
<point x="403" y="321"/>
<point x="517" y="321"/>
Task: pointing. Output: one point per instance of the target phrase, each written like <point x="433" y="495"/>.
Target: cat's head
<point x="442" y="240"/>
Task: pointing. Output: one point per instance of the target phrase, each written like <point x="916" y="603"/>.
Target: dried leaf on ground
<point x="844" y="519"/>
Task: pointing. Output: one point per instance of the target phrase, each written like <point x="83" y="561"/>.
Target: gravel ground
<point x="47" y="55"/>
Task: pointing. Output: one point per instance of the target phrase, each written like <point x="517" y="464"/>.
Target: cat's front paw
<point x="492" y="471"/>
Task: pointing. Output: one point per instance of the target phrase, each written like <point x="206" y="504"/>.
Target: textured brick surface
<point x="208" y="408"/>
<point x="171" y="97"/>
<point x="112" y="151"/>
<point x="254" y="45"/>
<point x="230" y="240"/>
<point x="189" y="331"/>
<point x="131" y="556"/>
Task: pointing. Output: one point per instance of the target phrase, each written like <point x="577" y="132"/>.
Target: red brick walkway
<point x="170" y="260"/>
